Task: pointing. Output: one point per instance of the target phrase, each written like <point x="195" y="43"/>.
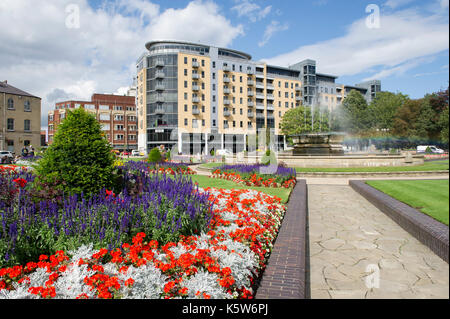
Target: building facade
<point x="200" y="98"/>
<point x="116" y="114"/>
<point x="20" y="119"/>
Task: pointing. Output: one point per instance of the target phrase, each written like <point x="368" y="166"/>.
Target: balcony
<point x="260" y="116"/>
<point x="226" y="125"/>
<point x="250" y="114"/>
<point x="195" y="88"/>
<point x="226" y="102"/>
<point x="250" y="72"/>
<point x="259" y="74"/>
<point x="270" y="97"/>
<point x="259" y="85"/>
<point x="260" y="106"/>
<point x="298" y="89"/>
<point x="260" y="95"/>
<point x="270" y="87"/>
<point x="250" y="83"/>
<point x="226" y="91"/>
<point x="195" y="64"/>
<point x="270" y="107"/>
<point x="226" y="112"/>
<point x="159" y="63"/>
<point x="226" y="68"/>
<point x="195" y="99"/>
<point x="159" y="99"/>
<point x="250" y="104"/>
<point x="159" y="75"/>
<point x="159" y="87"/>
<point x="298" y="98"/>
<point x="195" y="111"/>
<point x="250" y="93"/>
<point x="195" y="76"/>
<point x="226" y="80"/>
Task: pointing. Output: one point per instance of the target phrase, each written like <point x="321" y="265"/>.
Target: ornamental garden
<point x="82" y="224"/>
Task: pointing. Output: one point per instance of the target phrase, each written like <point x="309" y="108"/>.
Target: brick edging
<point x="285" y="274"/>
<point x="424" y="228"/>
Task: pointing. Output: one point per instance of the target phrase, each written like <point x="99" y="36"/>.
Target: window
<point x="118" y="127"/>
<point x="10" y="104"/>
<point x="203" y="62"/>
<point x="286" y="94"/>
<point x="185" y="60"/>
<point x="132" y="118"/>
<point x="132" y="137"/>
<point x="102" y="107"/>
<point x="185" y="122"/>
<point x="118" y="137"/>
<point x="203" y="123"/>
<point x="214" y="123"/>
<point x="185" y="84"/>
<point x="185" y="96"/>
<point x="194" y="123"/>
<point x="241" y="124"/>
<point x="185" y="72"/>
<point x="214" y="109"/>
<point x="105" y="117"/>
<point x="203" y="109"/>
<point x="240" y="79"/>
<point x="27" y="106"/>
<point x="214" y="76"/>
<point x="185" y="108"/>
<point x="118" y="117"/>
<point x="214" y="87"/>
<point x="105" y="127"/>
<point x="286" y="85"/>
<point x="214" y="65"/>
<point x="10" y="125"/>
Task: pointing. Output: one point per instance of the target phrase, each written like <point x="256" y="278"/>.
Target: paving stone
<point x="354" y="235"/>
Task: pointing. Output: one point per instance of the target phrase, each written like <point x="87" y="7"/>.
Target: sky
<point x="70" y="49"/>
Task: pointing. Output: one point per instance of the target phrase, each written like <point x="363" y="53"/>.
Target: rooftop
<point x="9" y="89"/>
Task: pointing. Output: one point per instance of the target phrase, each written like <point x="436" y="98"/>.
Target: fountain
<point x="318" y="144"/>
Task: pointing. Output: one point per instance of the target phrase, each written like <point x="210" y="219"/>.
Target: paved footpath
<point x="355" y="248"/>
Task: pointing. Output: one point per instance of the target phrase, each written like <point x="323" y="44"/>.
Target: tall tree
<point x="383" y="109"/>
<point x="299" y="120"/>
<point x="355" y="112"/>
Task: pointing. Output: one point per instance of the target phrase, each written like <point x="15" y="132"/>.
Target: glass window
<point x="27" y="106"/>
<point x="10" y="125"/>
<point x="10" y="104"/>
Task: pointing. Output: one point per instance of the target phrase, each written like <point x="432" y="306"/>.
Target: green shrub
<point x="80" y="156"/>
<point x="154" y="156"/>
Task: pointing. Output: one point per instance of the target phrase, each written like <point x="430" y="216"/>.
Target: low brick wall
<point x="427" y="230"/>
<point x="285" y="274"/>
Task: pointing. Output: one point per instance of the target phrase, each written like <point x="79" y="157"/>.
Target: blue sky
<point x="302" y="23"/>
<point x="70" y="49"/>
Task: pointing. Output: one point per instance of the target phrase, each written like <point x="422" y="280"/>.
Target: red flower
<point x="21" y="182"/>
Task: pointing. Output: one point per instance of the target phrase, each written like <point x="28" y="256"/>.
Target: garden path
<point x="357" y="252"/>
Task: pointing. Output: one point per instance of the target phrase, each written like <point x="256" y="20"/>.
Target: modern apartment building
<point x="201" y="98"/>
<point x="204" y="98"/>
<point x="20" y="119"/>
<point x="116" y="114"/>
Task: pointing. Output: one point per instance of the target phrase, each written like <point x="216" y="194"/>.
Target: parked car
<point x="6" y="157"/>
<point x="432" y="148"/>
<point x="135" y="153"/>
<point x="224" y="152"/>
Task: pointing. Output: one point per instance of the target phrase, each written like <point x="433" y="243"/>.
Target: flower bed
<point x="257" y="175"/>
<point x="162" y="167"/>
<point x="221" y="262"/>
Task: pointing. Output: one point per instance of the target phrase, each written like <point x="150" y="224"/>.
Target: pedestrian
<point x="24" y="151"/>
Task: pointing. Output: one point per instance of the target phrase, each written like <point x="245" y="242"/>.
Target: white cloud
<point x="271" y="29"/>
<point x="42" y="56"/>
<point x="397" y="3"/>
<point x="444" y="4"/>
<point x="403" y="36"/>
<point x="251" y="10"/>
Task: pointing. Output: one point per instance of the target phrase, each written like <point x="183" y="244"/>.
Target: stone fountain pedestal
<point x="318" y="144"/>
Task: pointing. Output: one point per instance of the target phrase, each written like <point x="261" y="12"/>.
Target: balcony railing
<point x="250" y="82"/>
<point x="226" y="91"/>
<point x="250" y="104"/>
<point x="195" y="111"/>
<point x="251" y="114"/>
<point x="250" y="93"/>
<point x="195" y="88"/>
<point x="226" y="68"/>
<point x="195" y="76"/>
<point x="159" y="63"/>
<point x="160" y="110"/>
<point x="159" y="87"/>
<point x="195" y="64"/>
<point x="159" y="99"/>
<point x="226" y="102"/>
<point x="226" y="112"/>
<point x="159" y="75"/>
<point x="226" y="80"/>
<point x="195" y="99"/>
<point x="270" y="97"/>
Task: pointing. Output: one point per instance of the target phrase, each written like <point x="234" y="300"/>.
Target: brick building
<point x="116" y="114"/>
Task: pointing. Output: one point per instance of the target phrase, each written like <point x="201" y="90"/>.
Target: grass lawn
<point x="206" y="181"/>
<point x="427" y="166"/>
<point x="429" y="196"/>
